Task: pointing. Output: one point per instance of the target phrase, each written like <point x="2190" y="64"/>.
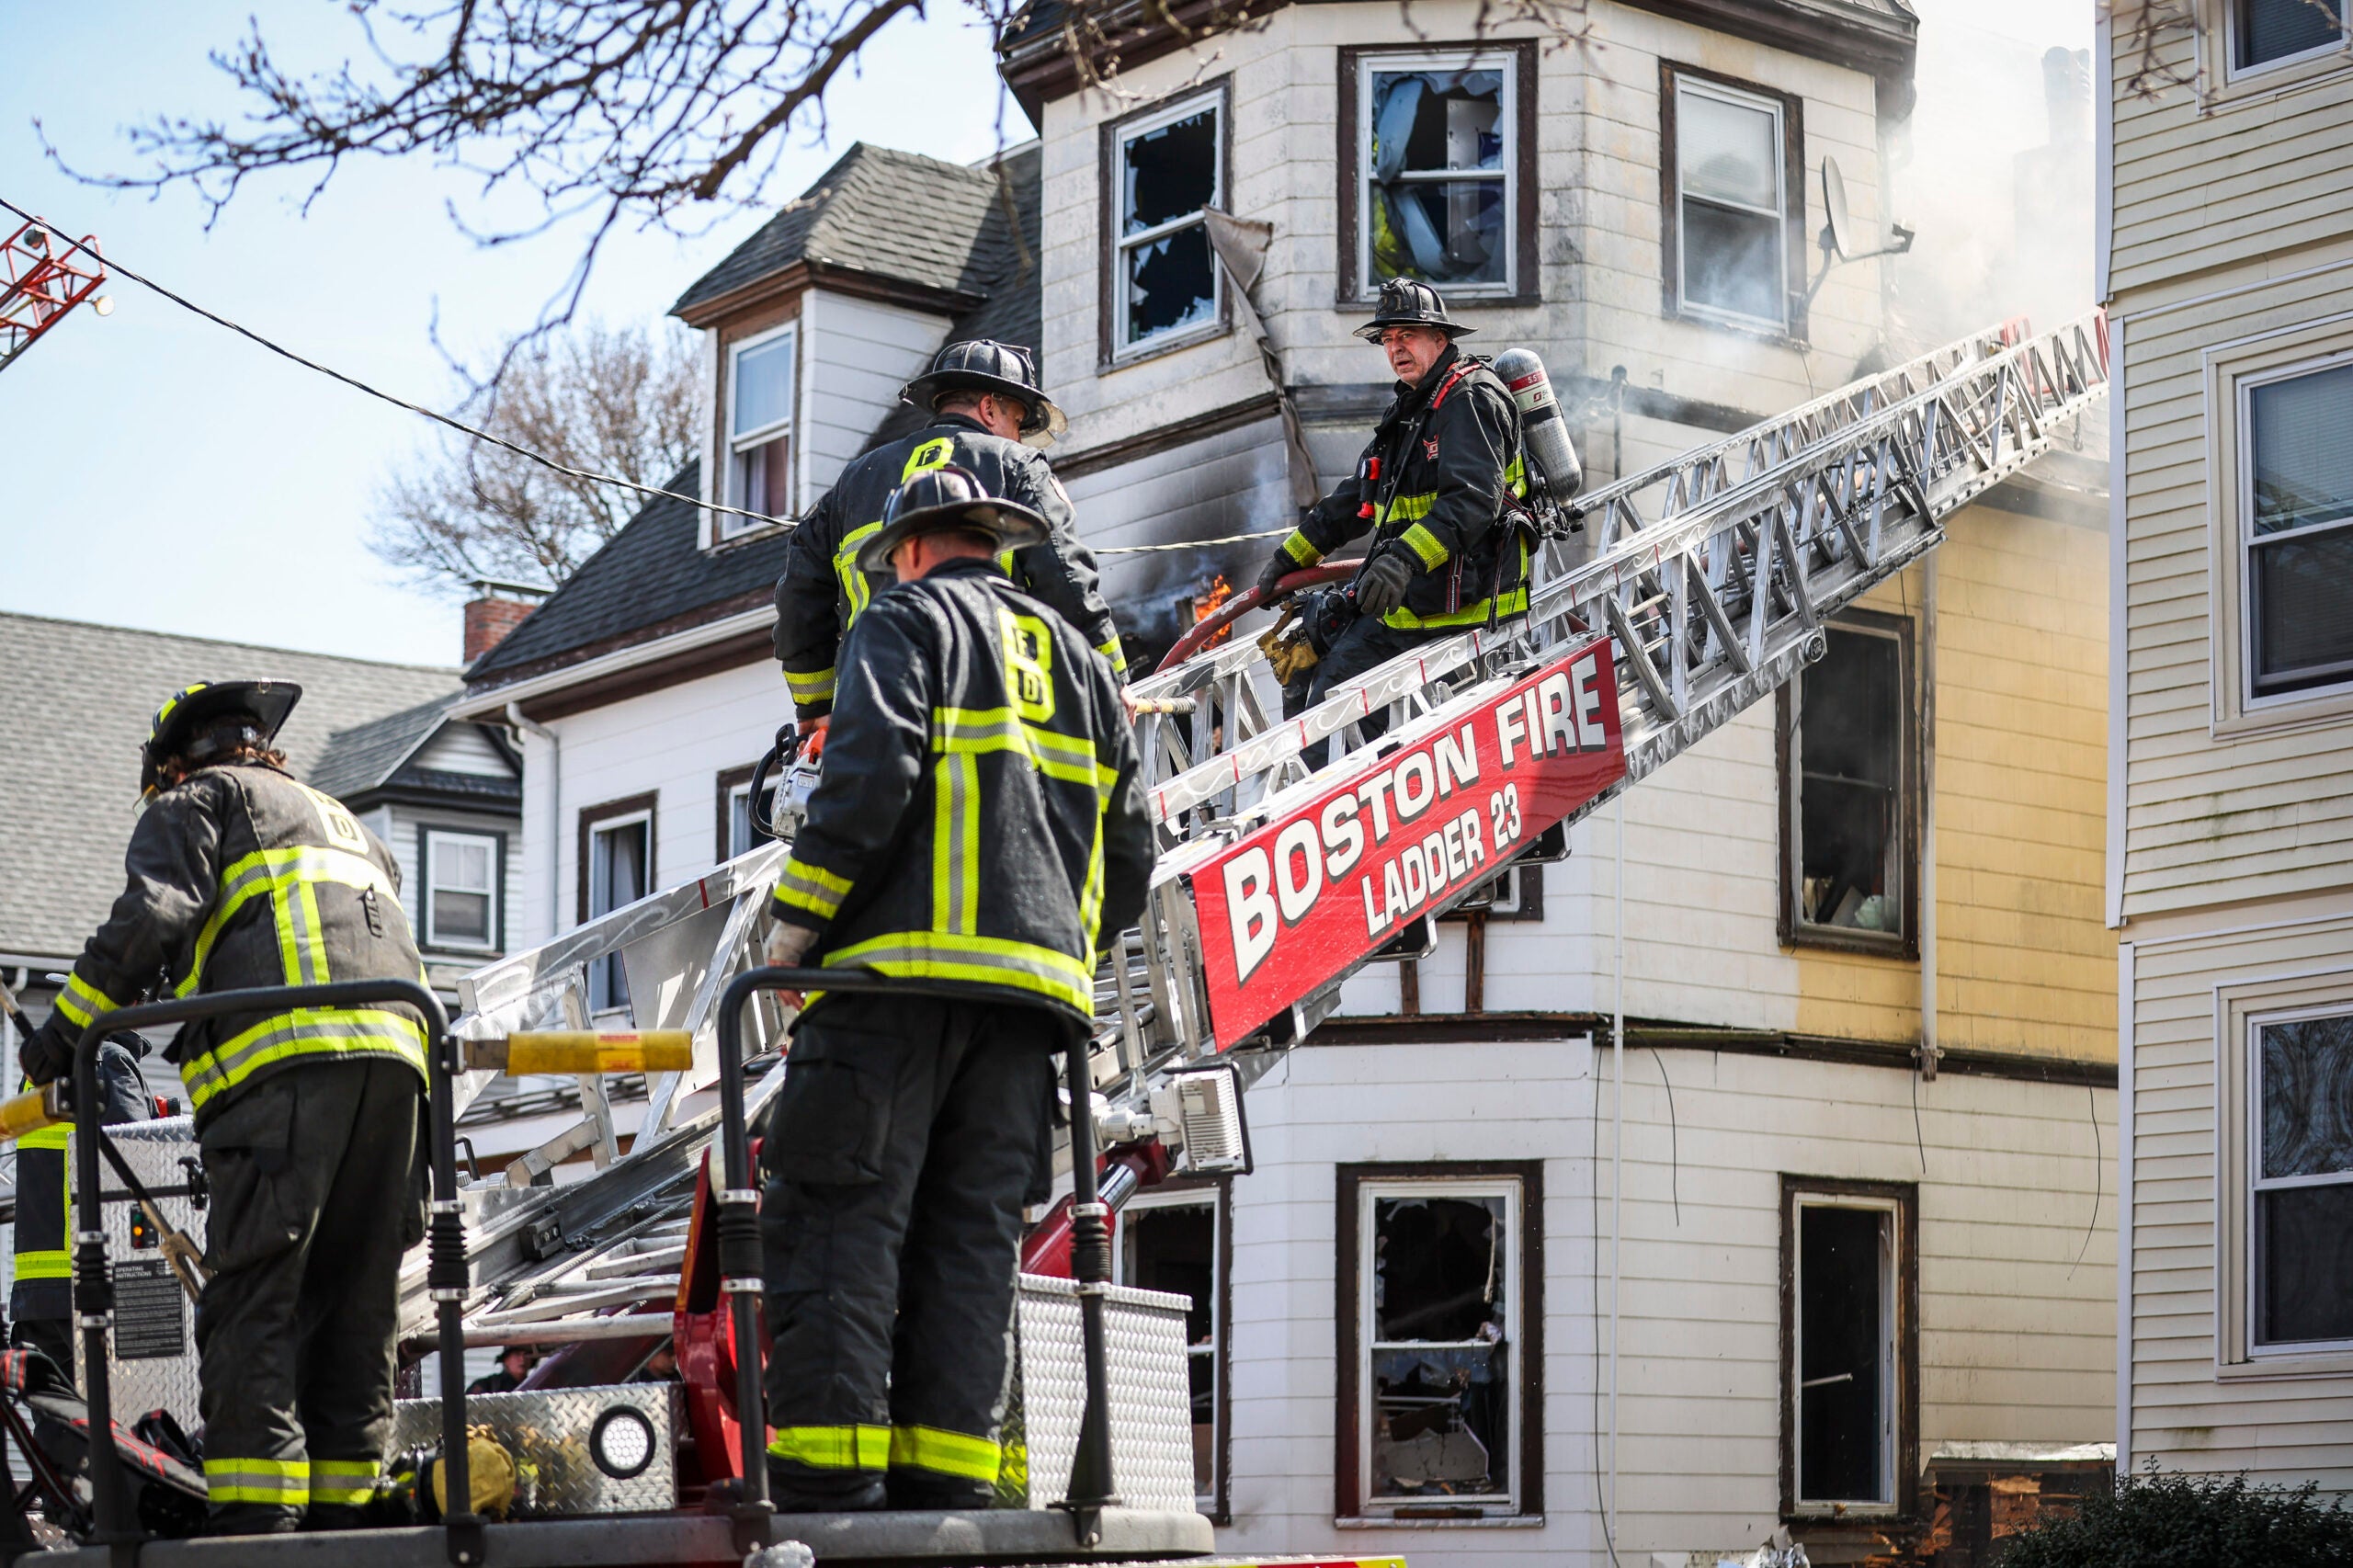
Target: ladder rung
<point x="584" y="1052"/>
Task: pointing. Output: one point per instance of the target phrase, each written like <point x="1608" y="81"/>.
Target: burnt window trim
<point x="730" y="779"/>
<point x="1906" y="1195"/>
<point x="1220" y="1192"/>
<point x="1355" y="292"/>
<point x="1109" y="353"/>
<point x="1347" y="1495"/>
<point x="1792" y="931"/>
<point x="1794" y="220"/>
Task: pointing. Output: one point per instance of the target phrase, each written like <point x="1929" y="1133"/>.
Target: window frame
<point x="428" y="835"/>
<point x="731" y="783"/>
<point x="1517" y="59"/>
<point x="2258" y="1182"/>
<point x="2243" y="388"/>
<point x="1216" y="1194"/>
<point x="1790" y="108"/>
<point x="606" y="817"/>
<point x="1356" y="1186"/>
<point x="1788" y="710"/>
<point x="1111" y="310"/>
<point x="2240" y="1008"/>
<point x="2228" y="33"/>
<point x="1902" y="1201"/>
<point x="726" y="528"/>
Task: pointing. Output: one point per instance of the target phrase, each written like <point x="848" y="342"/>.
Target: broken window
<point x="1847" y="814"/>
<point x="759" y="429"/>
<point x="1435" y="144"/>
<point x="1844" y="1383"/>
<point x="1440" y="1327"/>
<point x="2272" y="32"/>
<point x="1171" y="1243"/>
<point x="2298" y="530"/>
<point x="1730" y="199"/>
<point x="2304" y="1181"/>
<point x="1171" y="164"/>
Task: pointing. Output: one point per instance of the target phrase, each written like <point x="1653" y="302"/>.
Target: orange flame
<point x="1207" y="602"/>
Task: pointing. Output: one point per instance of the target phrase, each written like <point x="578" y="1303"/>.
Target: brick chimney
<point x="488" y="620"/>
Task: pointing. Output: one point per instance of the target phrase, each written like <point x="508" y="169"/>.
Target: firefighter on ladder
<point x="987" y="416"/>
<point x="240" y="877"/>
<point x="1438" y="485"/>
<point x="979" y="821"/>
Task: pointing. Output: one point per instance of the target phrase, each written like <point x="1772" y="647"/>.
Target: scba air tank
<point x="1545" y="431"/>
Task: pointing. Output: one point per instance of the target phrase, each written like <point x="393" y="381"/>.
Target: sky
<point x="162" y="473"/>
<point x="157" y="472"/>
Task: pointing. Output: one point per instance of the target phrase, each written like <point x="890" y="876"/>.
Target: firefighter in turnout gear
<point x="979" y="823"/>
<point x="239" y="876"/>
<point x="41" y="1303"/>
<point x="987" y="417"/>
<point x="1439" y="486"/>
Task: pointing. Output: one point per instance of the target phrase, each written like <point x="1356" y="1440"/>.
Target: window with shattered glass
<point x="1439" y="1394"/>
<point x="1731" y="206"/>
<point x="2302" y="1253"/>
<point x="1435" y="148"/>
<point x="1164" y="282"/>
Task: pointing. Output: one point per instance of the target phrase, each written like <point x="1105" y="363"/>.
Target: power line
<point x="353" y="382"/>
<point x="459" y="425"/>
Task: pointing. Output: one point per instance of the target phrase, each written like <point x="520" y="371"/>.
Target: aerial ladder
<point x="1295" y="849"/>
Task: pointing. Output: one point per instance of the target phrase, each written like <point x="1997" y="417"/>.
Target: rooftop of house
<point x="77" y="708"/>
<point x="363" y="762"/>
<point x="893" y="214"/>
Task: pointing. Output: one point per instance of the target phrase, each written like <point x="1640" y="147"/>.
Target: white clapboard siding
<point x="463" y="748"/>
<point x="2211" y="177"/>
<point x="402" y="827"/>
<point x="2184" y="1414"/>
<point x="2209" y="819"/>
<point x="859" y="354"/>
<point x="2016" y="1272"/>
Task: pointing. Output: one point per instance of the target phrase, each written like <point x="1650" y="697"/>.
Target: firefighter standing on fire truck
<point x="988" y="416"/>
<point x="979" y="821"/>
<point x="1438" y="487"/>
<point x="241" y="877"/>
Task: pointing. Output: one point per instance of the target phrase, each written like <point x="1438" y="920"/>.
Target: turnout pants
<point x="907" y="1137"/>
<point x="314" y="1197"/>
<point x="1365" y="644"/>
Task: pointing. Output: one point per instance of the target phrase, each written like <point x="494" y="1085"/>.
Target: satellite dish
<point x="1838" y="231"/>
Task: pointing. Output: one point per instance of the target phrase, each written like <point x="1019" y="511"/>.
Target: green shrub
<point x="2162" y="1520"/>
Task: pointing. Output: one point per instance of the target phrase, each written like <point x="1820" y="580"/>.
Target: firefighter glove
<point x="1288" y="651"/>
<point x="1277" y="567"/>
<point x="49" y="1054"/>
<point x="1381" y="586"/>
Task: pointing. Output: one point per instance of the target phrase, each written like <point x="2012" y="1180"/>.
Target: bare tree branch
<point x="610" y="401"/>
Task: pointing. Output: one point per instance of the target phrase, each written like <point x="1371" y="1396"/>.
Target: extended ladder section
<point x="1296" y="848"/>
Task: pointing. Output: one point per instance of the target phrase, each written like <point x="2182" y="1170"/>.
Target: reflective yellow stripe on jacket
<point x="57" y="1262"/>
<point x="82" y="1003"/>
<point x="816" y="687"/>
<point x="987" y="960"/>
<point x="310" y="1033"/>
<point x="286" y="876"/>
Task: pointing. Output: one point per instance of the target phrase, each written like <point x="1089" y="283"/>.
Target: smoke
<point x="1994" y="171"/>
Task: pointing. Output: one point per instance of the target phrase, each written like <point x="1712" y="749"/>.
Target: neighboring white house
<point x="1853" y="1278"/>
<point x="2230" y="868"/>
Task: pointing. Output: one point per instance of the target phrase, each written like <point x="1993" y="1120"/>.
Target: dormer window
<point x="760" y="383"/>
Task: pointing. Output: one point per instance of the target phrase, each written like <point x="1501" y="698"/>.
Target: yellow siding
<point x="2024" y="963"/>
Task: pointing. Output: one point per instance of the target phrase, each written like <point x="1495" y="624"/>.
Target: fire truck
<point x="1295" y="850"/>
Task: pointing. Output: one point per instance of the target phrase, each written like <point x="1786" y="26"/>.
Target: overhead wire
<point x="475" y="433"/>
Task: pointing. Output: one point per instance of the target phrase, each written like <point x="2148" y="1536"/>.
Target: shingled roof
<point x="897" y="215"/>
<point x="75" y="710"/>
